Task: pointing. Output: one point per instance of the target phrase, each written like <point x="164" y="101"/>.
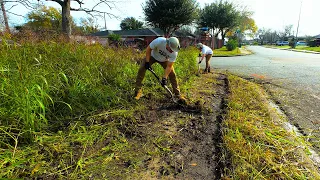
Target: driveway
<point x="291" y="78"/>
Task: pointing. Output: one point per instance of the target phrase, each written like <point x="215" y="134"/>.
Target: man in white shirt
<point x="207" y="53"/>
<point x="163" y="51"/>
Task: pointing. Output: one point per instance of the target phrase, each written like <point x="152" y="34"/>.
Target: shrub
<point x="114" y="37"/>
<point x="232" y="44"/>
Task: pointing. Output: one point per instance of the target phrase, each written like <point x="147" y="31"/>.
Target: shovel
<point x="165" y="86"/>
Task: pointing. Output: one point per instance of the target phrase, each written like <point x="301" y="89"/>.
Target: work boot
<point x="205" y="71"/>
<point x="181" y="99"/>
<point x="138" y="94"/>
<point x="208" y="69"/>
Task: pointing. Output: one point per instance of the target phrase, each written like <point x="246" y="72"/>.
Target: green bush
<point x="232" y="44"/>
<point x="312" y="43"/>
<point x="114" y="37"/>
<point x="292" y="43"/>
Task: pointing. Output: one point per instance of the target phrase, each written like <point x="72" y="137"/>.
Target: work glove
<point x="199" y="62"/>
<point x="164" y="81"/>
<point x="147" y="65"/>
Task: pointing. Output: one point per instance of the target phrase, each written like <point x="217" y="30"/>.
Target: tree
<point x="130" y="23"/>
<point x="228" y="17"/>
<point x="284" y="35"/>
<point x="45" y="18"/>
<point x="208" y="16"/>
<point x="66" y="9"/>
<point x="170" y="15"/>
<point x="88" y="25"/>
<point x="247" y="25"/>
<point x="4" y="16"/>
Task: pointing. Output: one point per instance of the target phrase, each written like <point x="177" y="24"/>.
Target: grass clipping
<point x="258" y="146"/>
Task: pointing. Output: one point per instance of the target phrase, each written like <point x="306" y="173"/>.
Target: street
<point x="291" y="78"/>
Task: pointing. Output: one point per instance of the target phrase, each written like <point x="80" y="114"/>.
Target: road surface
<point x="293" y="80"/>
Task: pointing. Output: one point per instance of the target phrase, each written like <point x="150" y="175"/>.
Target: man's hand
<point x="199" y="62"/>
<point x="164" y="81"/>
<point x="147" y="65"/>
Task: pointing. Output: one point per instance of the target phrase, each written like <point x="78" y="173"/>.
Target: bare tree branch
<point x="57" y="1"/>
<point x="25" y="3"/>
<point x="12" y="7"/>
<point x="16" y="14"/>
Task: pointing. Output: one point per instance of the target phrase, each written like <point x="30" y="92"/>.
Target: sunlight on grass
<point x="67" y="110"/>
<point x="224" y="52"/>
<point x="259" y="146"/>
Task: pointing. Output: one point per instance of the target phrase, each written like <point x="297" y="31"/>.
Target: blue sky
<point x="273" y="14"/>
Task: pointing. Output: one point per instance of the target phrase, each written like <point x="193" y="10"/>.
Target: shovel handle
<point x="165" y="87"/>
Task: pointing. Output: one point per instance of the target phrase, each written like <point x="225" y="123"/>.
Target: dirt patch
<point x="194" y="150"/>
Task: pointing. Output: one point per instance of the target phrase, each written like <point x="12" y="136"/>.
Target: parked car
<point x="282" y="43"/>
<point x="301" y="43"/>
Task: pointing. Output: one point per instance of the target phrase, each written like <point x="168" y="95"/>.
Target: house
<point x="317" y="40"/>
<point x="145" y="36"/>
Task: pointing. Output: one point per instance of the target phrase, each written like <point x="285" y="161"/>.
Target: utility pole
<point x="105" y="23"/>
<point x="296" y="39"/>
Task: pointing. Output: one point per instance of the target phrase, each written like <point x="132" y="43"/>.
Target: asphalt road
<point x="301" y="70"/>
<point x="293" y="78"/>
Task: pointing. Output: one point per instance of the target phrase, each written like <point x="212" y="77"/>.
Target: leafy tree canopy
<point x="170" y="15"/>
<point x="130" y="23"/>
<point x="45" y="18"/>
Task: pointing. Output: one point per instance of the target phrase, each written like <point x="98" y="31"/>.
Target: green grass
<point x="259" y="147"/>
<point x="67" y="109"/>
<point x="278" y="47"/>
<point x="317" y="49"/>
<point x="224" y="52"/>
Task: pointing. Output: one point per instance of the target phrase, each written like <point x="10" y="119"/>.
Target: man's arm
<point x="148" y="54"/>
<point x="202" y="57"/>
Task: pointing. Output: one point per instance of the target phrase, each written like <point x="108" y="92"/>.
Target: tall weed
<point x="48" y="83"/>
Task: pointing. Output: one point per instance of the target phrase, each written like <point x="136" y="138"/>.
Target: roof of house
<point x="317" y="36"/>
<point x="141" y="33"/>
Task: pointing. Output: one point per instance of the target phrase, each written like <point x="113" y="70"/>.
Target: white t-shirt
<point x="159" y="51"/>
<point x="206" y="50"/>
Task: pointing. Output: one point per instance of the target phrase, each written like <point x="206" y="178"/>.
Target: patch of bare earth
<point x="193" y="149"/>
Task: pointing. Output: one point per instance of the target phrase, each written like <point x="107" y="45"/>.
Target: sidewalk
<point x="244" y="51"/>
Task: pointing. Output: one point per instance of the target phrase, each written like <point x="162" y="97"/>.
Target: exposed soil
<point x="195" y="128"/>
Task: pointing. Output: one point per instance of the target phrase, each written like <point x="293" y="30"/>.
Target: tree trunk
<point x="66" y="18"/>
<point x="5" y="16"/>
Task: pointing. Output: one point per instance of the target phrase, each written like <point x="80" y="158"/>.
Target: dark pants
<point x="142" y="72"/>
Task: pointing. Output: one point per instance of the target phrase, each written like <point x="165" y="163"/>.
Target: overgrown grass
<point x="224" y="52"/>
<point x="260" y="148"/>
<point x="317" y="49"/>
<point x="51" y="95"/>
<point x="278" y="47"/>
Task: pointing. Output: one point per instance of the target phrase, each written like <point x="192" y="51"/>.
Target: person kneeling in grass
<point x="206" y="52"/>
<point x="163" y="51"/>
